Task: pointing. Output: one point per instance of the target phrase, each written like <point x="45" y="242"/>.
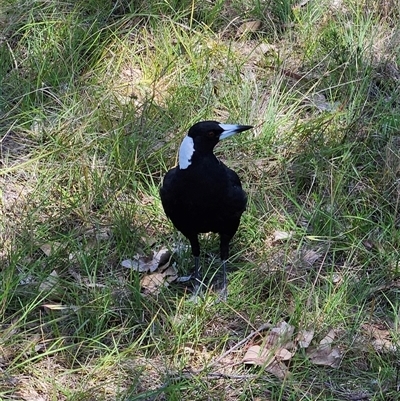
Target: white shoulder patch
<point x="186" y="152"/>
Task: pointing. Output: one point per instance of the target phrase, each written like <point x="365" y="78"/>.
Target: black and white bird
<point x="203" y="195"/>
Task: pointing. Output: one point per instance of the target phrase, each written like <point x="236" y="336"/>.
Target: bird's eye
<point x="211" y="134"/>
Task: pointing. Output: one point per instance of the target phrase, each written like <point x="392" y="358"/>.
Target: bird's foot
<point x="222" y="295"/>
<point x="197" y="291"/>
<point x="195" y="298"/>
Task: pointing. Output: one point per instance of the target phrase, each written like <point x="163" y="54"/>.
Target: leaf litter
<point x="272" y="348"/>
<point x="279" y="346"/>
<point x="326" y="354"/>
<point x="381" y="339"/>
<point x="160" y="271"/>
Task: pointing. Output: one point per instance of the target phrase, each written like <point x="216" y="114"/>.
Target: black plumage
<point x="201" y="194"/>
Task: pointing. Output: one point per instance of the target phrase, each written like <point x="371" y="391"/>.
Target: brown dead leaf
<point x="278" y="369"/>
<point x="376" y="332"/>
<point x="328" y="339"/>
<point x="255" y="355"/>
<point x="281" y="236"/>
<point x="50" y="248"/>
<point x="304" y="338"/>
<point x="171" y="274"/>
<point x="325" y="354"/>
<point x="281" y="334"/>
<point x="381" y="338"/>
<point x="384" y="345"/>
<point x="319" y="101"/>
<point x="248" y="27"/>
<point x="272" y="353"/>
<point x="143" y="264"/>
<point x="152" y="283"/>
<point x="50" y="282"/>
<point x="282" y="354"/>
<point x="139" y="264"/>
<point x="265" y="357"/>
<point x="311" y="256"/>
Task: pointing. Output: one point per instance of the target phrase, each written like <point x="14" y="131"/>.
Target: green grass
<point x="95" y="98"/>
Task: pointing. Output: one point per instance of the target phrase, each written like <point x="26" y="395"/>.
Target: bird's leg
<point x="224" y="291"/>
<point x="194" y="243"/>
<point x="224" y="250"/>
<point x="197" y="273"/>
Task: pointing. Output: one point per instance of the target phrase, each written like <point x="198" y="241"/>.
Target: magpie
<point x="203" y="195"/>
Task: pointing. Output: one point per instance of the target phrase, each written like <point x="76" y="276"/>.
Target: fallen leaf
<point x="161" y="257"/>
<point x="328" y="339"/>
<point x="278" y="369"/>
<point x="304" y="338"/>
<point x="50" y="282"/>
<point x="143" y="264"/>
<point x="311" y="256"/>
<point x="138" y="264"/>
<point x="336" y="278"/>
<point x="272" y="353"/>
<point x="319" y="101"/>
<point x="300" y="4"/>
<point x="257" y="356"/>
<point x="94" y="285"/>
<point x="265" y="48"/>
<point x="381" y="338"/>
<point x="97" y="234"/>
<point x="151" y="283"/>
<point x="49" y="248"/>
<point x="74" y="272"/>
<point x="263" y="357"/>
<point x="325" y="355"/>
<point x="248" y="27"/>
<point x="40" y="347"/>
<point x="280" y="334"/>
<point x="171" y="272"/>
<point x="184" y="279"/>
<point x="281" y="235"/>
<point x="384" y="346"/>
<point x="149" y="241"/>
<point x="376" y="332"/>
<point x="368" y="244"/>
<point x="282" y="354"/>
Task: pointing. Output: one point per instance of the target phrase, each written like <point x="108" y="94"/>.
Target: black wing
<point x="166" y="191"/>
<point x="237" y="196"/>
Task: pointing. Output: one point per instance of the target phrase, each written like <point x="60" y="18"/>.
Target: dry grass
<point x="94" y="101"/>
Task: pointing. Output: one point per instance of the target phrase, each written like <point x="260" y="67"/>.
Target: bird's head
<point x="203" y="136"/>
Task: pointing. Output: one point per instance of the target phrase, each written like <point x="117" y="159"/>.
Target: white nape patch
<point x="229" y="130"/>
<point x="186" y="152"/>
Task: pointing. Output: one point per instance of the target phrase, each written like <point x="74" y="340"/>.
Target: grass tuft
<point x="95" y="98"/>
